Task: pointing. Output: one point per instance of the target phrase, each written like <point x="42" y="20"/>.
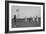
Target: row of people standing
<point x="31" y="19"/>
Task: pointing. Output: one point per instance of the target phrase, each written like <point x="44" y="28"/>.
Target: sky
<point x="28" y="11"/>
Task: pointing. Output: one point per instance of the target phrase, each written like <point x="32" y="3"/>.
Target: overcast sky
<point x="25" y="11"/>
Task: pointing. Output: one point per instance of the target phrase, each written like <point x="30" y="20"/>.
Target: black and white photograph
<point x="25" y="16"/>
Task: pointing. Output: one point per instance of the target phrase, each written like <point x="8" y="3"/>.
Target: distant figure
<point x="14" y="21"/>
<point x="15" y="18"/>
<point x="36" y="19"/>
<point x="39" y="19"/>
<point x="30" y="20"/>
<point x="33" y="20"/>
<point x="25" y="18"/>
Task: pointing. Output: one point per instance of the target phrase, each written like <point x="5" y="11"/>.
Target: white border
<point x="26" y="28"/>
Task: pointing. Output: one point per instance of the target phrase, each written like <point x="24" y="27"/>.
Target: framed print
<point x="24" y="16"/>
